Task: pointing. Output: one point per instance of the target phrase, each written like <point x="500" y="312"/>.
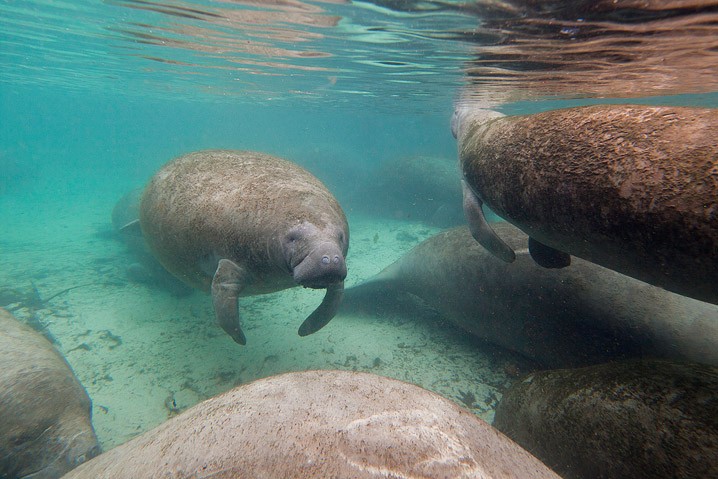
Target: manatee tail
<point x="374" y="293"/>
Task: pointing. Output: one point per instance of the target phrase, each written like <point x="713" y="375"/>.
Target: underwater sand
<point x="144" y="354"/>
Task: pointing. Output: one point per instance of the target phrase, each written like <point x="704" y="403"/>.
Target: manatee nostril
<point x="325" y="259"/>
<point x="337" y="260"/>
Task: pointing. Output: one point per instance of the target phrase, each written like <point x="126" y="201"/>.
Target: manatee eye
<point x="341" y="237"/>
<point x="293" y="237"/>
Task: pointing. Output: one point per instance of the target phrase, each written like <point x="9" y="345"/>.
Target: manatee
<point x="638" y="419"/>
<point x="146" y="269"/>
<point x="241" y="223"/>
<point x="632" y="188"/>
<point x="127" y="209"/>
<point x="45" y="413"/>
<point x="579" y="315"/>
<point x="420" y="188"/>
<point x="320" y="424"/>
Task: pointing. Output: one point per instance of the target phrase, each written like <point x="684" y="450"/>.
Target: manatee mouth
<point x="320" y="270"/>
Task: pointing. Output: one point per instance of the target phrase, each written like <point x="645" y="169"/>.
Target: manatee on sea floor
<point x="579" y="315"/>
<point x="632" y="188"/>
<point x="638" y="419"/>
<point x="320" y="424"/>
<point x="45" y="413"/>
<point x="240" y="223"/>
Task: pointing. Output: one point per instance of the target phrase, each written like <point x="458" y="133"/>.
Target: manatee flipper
<point x="132" y="227"/>
<point x="325" y="311"/>
<point x="547" y="256"/>
<point x="228" y="282"/>
<point x="480" y="229"/>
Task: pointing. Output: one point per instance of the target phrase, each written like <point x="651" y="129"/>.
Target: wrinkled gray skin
<point x="320" y="424"/>
<point x="579" y="315"/>
<point x="45" y="413"/>
<point x="632" y="188"/>
<point x="240" y="223"/>
<point x="638" y="419"/>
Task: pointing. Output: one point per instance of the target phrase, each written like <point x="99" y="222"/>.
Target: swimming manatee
<point x="639" y="419"/>
<point x="240" y="223"/>
<point x="320" y="424"/>
<point x="145" y="269"/>
<point x="579" y="315"/>
<point x="632" y="188"/>
<point x="45" y="413"/>
<point x="418" y="188"/>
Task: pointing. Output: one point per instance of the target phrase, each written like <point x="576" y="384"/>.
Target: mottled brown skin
<point x="638" y="419"/>
<point x="45" y="413"/>
<point x="320" y="424"/>
<point x="579" y="315"/>
<point x="268" y="216"/>
<point x="632" y="188"/>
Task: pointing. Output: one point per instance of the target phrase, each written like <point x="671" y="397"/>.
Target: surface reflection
<point x="624" y="48"/>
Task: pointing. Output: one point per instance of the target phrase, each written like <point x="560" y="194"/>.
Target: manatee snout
<point x="466" y="114"/>
<point x="322" y="267"/>
<point x="80" y="445"/>
<point x="84" y="451"/>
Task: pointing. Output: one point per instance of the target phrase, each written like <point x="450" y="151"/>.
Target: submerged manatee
<point x="637" y="419"/>
<point x="632" y="188"/>
<point x="45" y="413"/>
<point x="146" y="269"/>
<point x="320" y="424"/>
<point x="579" y="315"/>
<point x="240" y="223"/>
<point x="421" y="188"/>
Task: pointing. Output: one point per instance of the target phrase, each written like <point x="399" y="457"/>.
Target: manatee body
<point x="579" y="315"/>
<point x="320" y="424"/>
<point x="240" y="223"/>
<point x="637" y="419"/>
<point x="45" y="413"/>
<point x="632" y="188"/>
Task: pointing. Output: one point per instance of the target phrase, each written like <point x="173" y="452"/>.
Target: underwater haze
<point x="95" y="96"/>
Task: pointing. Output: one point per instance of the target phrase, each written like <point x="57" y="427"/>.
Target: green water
<point x="96" y="96"/>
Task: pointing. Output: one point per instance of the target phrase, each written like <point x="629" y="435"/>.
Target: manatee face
<point x="44" y="411"/>
<point x="315" y="256"/>
<point x="55" y="456"/>
<point x="465" y="115"/>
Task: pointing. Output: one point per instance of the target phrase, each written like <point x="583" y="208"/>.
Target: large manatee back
<point x="630" y="187"/>
<point x="637" y="419"/>
<point x="320" y="424"/>
<point x="229" y="204"/>
<point x="45" y="412"/>
<point x="578" y="315"/>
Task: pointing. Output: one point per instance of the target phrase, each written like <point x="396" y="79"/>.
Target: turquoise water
<point x="96" y="96"/>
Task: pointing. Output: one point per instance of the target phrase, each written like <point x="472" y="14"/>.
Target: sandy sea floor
<point x="144" y="354"/>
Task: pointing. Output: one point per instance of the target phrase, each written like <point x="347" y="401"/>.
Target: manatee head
<point x="315" y="256"/>
<point x="57" y="450"/>
<point x="466" y="114"/>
